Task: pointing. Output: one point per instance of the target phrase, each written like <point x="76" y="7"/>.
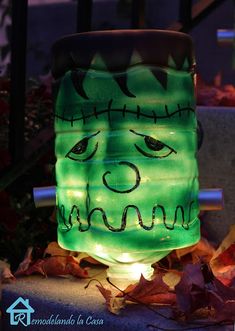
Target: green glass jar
<point x="126" y="142"/>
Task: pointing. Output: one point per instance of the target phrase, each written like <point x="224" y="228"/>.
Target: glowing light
<point x="99" y="248"/>
<point x="125" y="257"/>
<point x="75" y="193"/>
<point x="126" y="171"/>
<point x="138" y="269"/>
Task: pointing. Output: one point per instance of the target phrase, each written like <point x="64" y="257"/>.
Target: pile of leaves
<point x="197" y="282"/>
<point x="215" y="94"/>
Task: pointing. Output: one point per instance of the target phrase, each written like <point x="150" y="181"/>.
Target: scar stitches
<point x="188" y="109"/>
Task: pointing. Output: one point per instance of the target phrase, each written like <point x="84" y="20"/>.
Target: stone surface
<point x="216" y="160"/>
<point x="66" y="297"/>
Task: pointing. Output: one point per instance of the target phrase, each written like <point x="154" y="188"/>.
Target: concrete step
<point x="66" y="299"/>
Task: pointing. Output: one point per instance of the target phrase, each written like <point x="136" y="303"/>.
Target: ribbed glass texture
<point x="126" y="170"/>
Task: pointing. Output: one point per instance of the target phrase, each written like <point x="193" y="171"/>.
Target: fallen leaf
<point x="223" y="261"/>
<point x="172" y="278"/>
<point x="202" y="251"/>
<point x="226" y="243"/>
<point x="24" y="265"/>
<point x="149" y="291"/>
<point x="222" y="299"/>
<point x="227" y="257"/>
<point x="225" y="292"/>
<point x="190" y="291"/>
<point x="55" y="266"/>
<point x="5" y="273"/>
<point x="54" y="249"/>
<point x="73" y="268"/>
<point x="113" y="303"/>
<point x="90" y="260"/>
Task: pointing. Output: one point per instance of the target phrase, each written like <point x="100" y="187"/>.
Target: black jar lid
<point x="160" y="48"/>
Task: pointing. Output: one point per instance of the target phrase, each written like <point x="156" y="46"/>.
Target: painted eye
<point x="160" y="149"/>
<point x="83" y="148"/>
<point x="153" y="144"/>
<point x="80" y="147"/>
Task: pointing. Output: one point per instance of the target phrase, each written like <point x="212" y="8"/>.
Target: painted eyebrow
<point x="92" y="135"/>
<point x="145" y="135"/>
<point x="138" y="134"/>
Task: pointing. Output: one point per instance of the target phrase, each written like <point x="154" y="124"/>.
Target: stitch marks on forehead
<point x="187" y="110"/>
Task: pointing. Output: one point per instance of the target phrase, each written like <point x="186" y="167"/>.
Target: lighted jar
<point x="126" y="170"/>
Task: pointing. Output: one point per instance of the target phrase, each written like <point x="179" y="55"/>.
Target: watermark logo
<point x="20" y="312"/>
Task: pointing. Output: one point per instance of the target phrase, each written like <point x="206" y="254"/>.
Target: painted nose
<point x="137" y="178"/>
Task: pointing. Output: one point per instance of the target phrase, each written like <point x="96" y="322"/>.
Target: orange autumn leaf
<point x="87" y="258"/>
<point x="91" y="260"/>
<point x="225" y="273"/>
<point x="223" y="260"/>
<point x="202" y="251"/>
<point x="54" y="249"/>
<point x="227" y="257"/>
<point x="64" y="266"/>
<point x="226" y="243"/>
<point x="55" y="266"/>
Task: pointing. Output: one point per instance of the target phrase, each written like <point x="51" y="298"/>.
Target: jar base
<point x="130" y="271"/>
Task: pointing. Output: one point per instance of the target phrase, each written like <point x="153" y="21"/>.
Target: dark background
<point x="49" y="22"/>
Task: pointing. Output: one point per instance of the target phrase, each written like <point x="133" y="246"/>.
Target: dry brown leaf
<point x="149" y="291"/>
<point x="190" y="291"/>
<point x="223" y="260"/>
<point x="202" y="251"/>
<point x="228" y="241"/>
<point x="113" y="303"/>
<point x="56" y="266"/>
<point x="172" y="278"/>
<point x="5" y="273"/>
<point x="90" y="260"/>
<point x="54" y="249"/>
<point x="225" y="274"/>
<point x="24" y="265"/>
<point x="222" y="299"/>
<point x="85" y="257"/>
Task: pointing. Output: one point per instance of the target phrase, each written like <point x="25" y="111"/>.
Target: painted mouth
<point x="180" y="213"/>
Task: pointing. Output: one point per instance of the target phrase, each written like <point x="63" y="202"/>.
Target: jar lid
<point x="121" y="49"/>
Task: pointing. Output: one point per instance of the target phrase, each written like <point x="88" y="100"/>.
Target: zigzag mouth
<point x="68" y="221"/>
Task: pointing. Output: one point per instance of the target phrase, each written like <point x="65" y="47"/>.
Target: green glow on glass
<point x="113" y="151"/>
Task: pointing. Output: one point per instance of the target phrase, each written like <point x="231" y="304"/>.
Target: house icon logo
<point x="20" y="312"/>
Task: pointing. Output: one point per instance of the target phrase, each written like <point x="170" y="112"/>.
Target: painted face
<point x="126" y="170"/>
